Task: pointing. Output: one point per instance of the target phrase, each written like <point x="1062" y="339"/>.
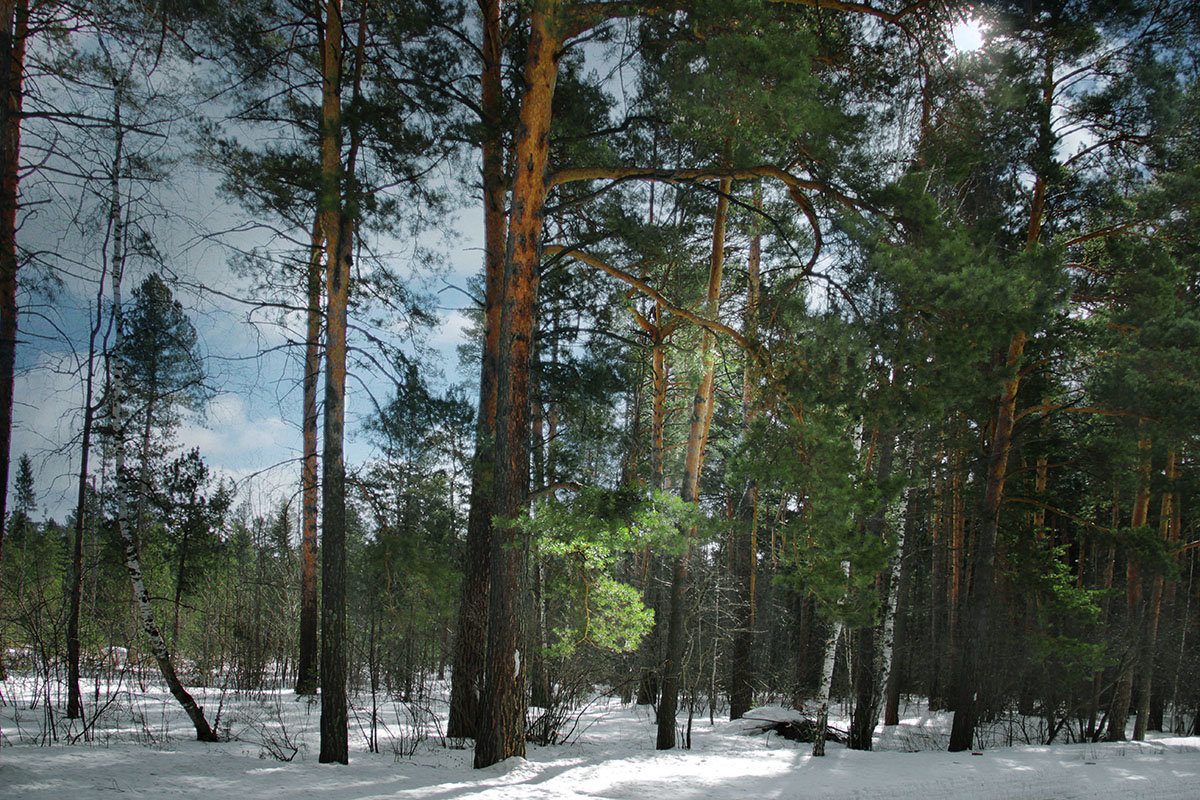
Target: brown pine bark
<point x="975" y="627"/>
<point x="650" y="650"/>
<point x="334" y="711"/>
<point x="702" y="411"/>
<point x="307" y="672"/>
<point x="1149" y="645"/>
<point x="1134" y="609"/>
<point x="466" y="677"/>
<point x="937" y="598"/>
<point x="502" y="733"/>
<point x="14" y="20"/>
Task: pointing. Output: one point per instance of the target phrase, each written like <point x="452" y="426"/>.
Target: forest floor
<point x="141" y="749"/>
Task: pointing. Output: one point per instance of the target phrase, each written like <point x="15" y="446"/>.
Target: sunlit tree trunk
<point x="502" y="733"/>
<point x="334" y="712"/>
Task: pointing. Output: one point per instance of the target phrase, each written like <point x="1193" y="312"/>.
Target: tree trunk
<point x="1118" y="716"/>
<point x="825" y="688"/>
<point x="865" y="679"/>
<point x="503" y="732"/>
<point x="1150" y="630"/>
<point x="668" y="704"/>
<point x="74" y="696"/>
<point x="466" y="677"/>
<point x="895" y="627"/>
<point x="14" y="19"/>
<point x="745" y="551"/>
<point x="334" y="713"/>
<point x="976" y="628"/>
<point x="650" y="651"/>
<point x="937" y="599"/>
<point x="868" y="664"/>
<point x="158" y="645"/>
<point x="307" y="671"/>
<point x="702" y="411"/>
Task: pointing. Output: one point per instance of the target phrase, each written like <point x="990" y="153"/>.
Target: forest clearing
<point x="517" y="398"/>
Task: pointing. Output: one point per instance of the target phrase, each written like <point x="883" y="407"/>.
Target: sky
<point x="249" y="430"/>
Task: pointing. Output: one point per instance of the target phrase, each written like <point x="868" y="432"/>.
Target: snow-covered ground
<point x="141" y="748"/>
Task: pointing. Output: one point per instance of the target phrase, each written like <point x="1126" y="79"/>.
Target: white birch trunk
<point x="893" y="596"/>
<point x="826" y="687"/>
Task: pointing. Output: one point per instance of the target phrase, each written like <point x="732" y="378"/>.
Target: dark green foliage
<point x="160" y="352"/>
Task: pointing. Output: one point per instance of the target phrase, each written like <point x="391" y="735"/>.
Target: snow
<point x="141" y="749"/>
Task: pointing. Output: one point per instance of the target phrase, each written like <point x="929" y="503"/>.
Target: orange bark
<point x="503" y="730"/>
<point x="334" y="710"/>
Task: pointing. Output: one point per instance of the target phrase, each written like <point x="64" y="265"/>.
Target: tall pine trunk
<point x="14" y="20"/>
<point x="307" y="669"/>
<point x="466" y="677"/>
<point x="334" y="713"/>
<point x="974" y="627"/>
<point x="745" y="555"/>
<point x="1135" y="610"/>
<point x="502" y="733"/>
